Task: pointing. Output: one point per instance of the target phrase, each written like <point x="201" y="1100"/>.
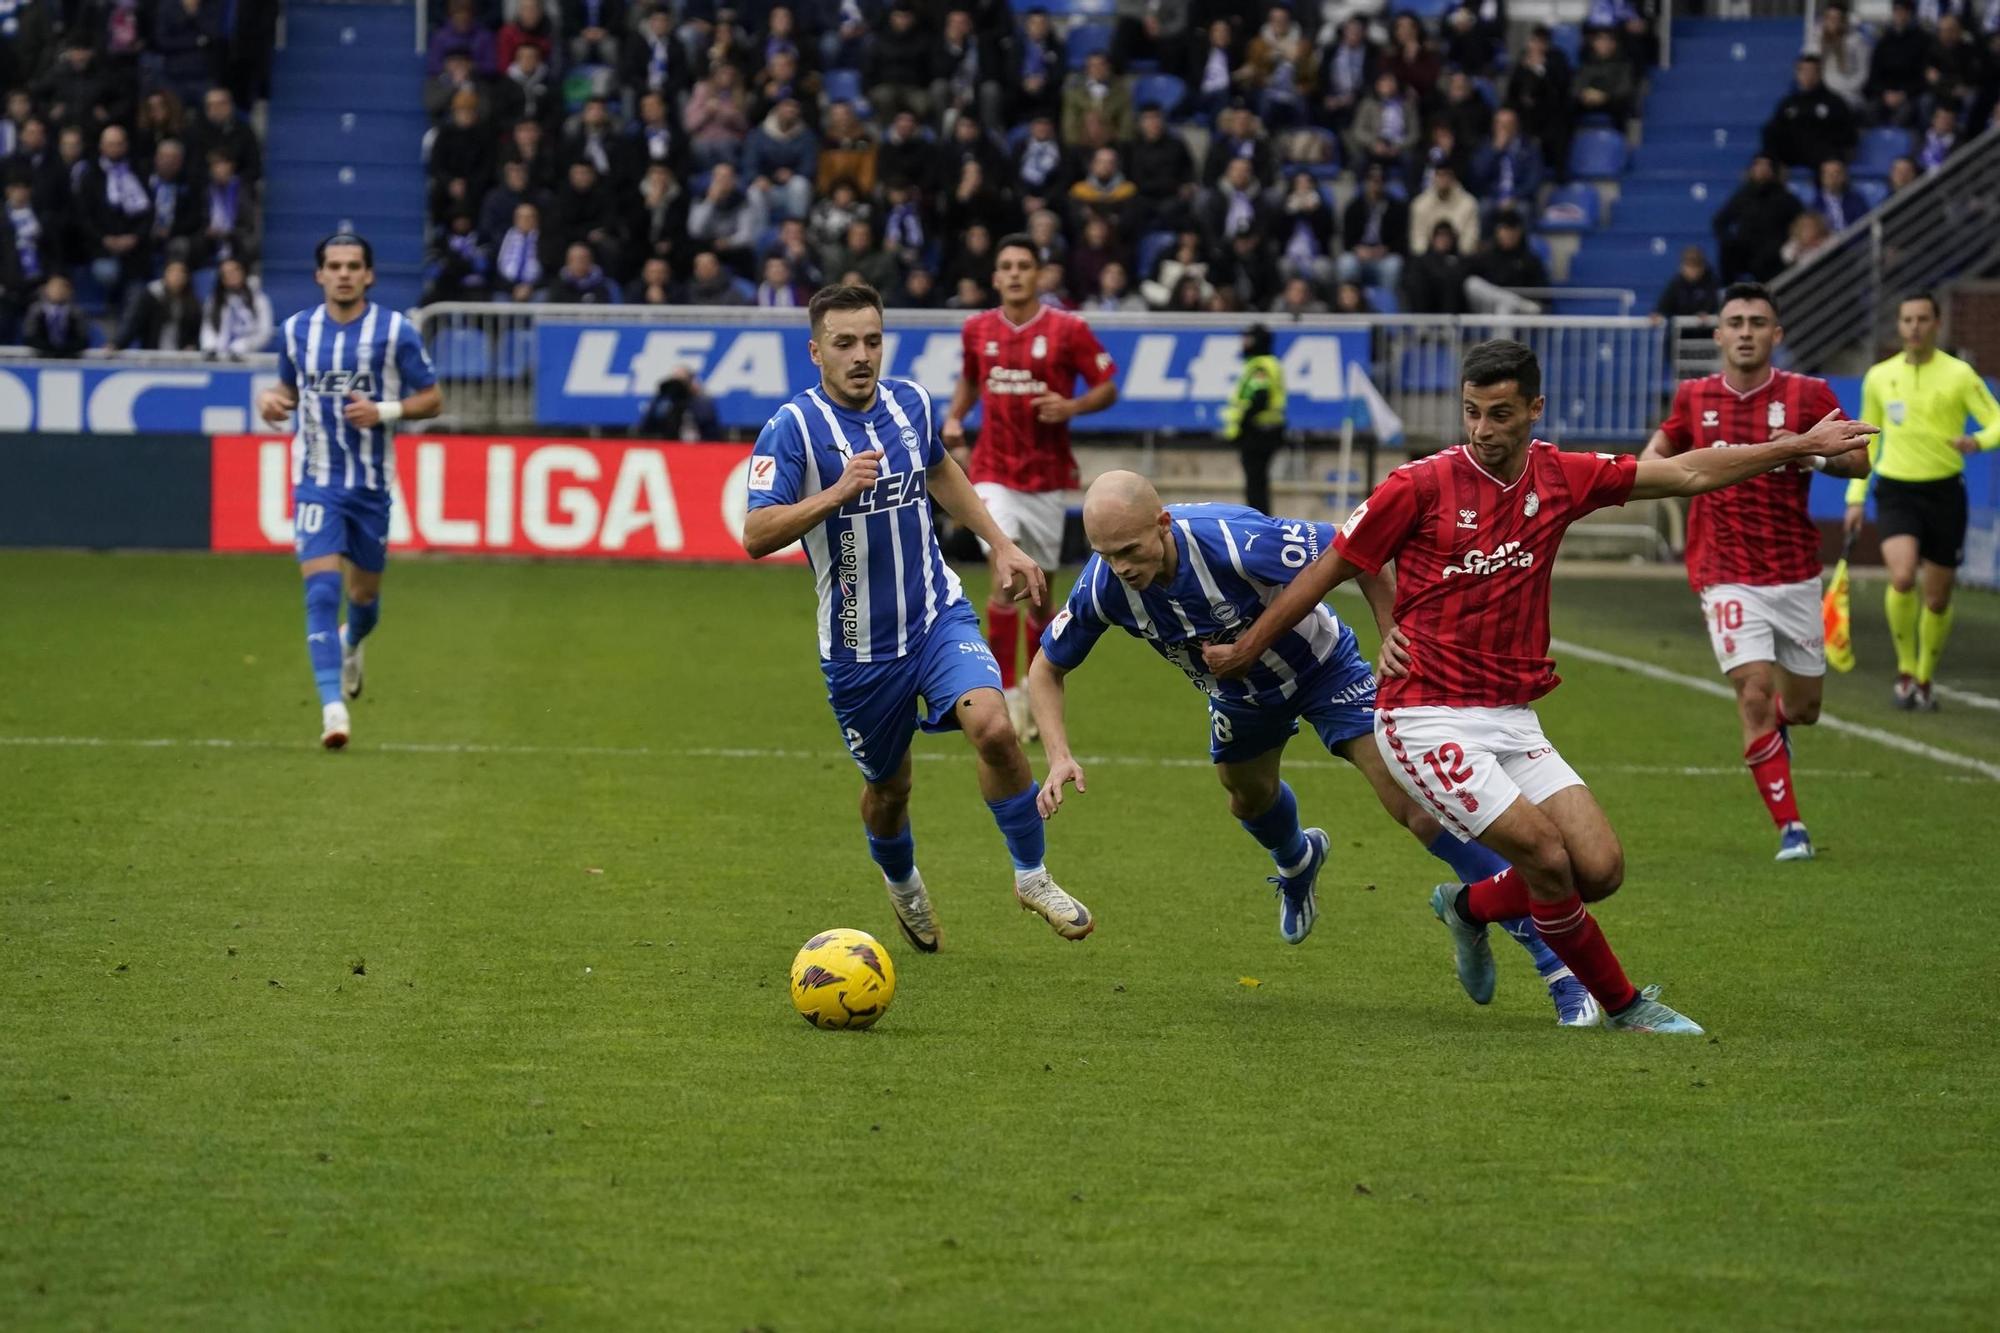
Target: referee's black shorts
<point x="1931" y="511"/>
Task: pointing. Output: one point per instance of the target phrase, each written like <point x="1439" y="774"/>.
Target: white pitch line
<point x="1968" y="698"/>
<point x="1828" y="721"/>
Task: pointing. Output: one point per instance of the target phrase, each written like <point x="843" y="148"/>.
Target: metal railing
<point x="1607" y="379"/>
<point x="1843" y="299"/>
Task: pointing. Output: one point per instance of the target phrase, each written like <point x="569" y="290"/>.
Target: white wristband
<point x="1815" y="462"/>
<point x="391" y="412"/>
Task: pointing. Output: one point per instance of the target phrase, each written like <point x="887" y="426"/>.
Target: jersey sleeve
<point x="933" y="428"/>
<point x="1381" y="524"/>
<point x="1679" y="425"/>
<point x="777" y="463"/>
<point x="288" y="369"/>
<point x="1980" y="406"/>
<point x="413" y="362"/>
<point x="1088" y="356"/>
<point x="1598" y="481"/>
<point x="1075" y="629"/>
<point x="968" y="346"/>
<point x="1274" y="550"/>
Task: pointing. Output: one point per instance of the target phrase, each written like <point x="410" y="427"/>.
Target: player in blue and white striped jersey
<point x="850" y="468"/>
<point x="1182" y="576"/>
<point x="351" y="370"/>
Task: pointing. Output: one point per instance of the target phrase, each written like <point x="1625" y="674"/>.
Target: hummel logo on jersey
<point x="1532" y="505"/>
<point x="992" y="349"/>
<point x="1507" y="555"/>
<point x="1711" y="418"/>
<point x="1775" y="418"/>
<point x="1468" y="518"/>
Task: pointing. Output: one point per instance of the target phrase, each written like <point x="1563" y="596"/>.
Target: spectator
<point x="1211" y="70"/>
<point x="1472" y="44"/>
<point x="847" y="151"/>
<point x="598" y="24"/>
<point x="1154" y="30"/>
<point x="457" y="77"/>
<point x="528" y="144"/>
<point x="1237" y="134"/>
<point x="1445" y="201"/>
<point x="680" y="410"/>
<point x="496" y="209"/>
<point x="717" y="116"/>
<point x="779" y="79"/>
<point x="28" y="240"/>
<point x="161" y="117"/>
<point x="968" y="71"/>
<point x="1041" y="166"/>
<point x="1897" y="64"/>
<point x="904" y="233"/>
<point x="1036" y="83"/>
<point x="237" y="322"/>
<point x="860" y="254"/>
<point x="1374" y="235"/>
<point x="1095" y="248"/>
<point x="26" y="42"/>
<point x="1187" y="296"/>
<point x="1903" y="173"/>
<point x="1958" y="68"/>
<point x="462" y="158"/>
<point x="782" y="159"/>
<point x="1434" y="282"/>
<point x="460" y="267"/>
<point x="529" y="89"/>
<point x="1808" y="235"/>
<point x="1443" y="150"/>
<point x="177" y="214"/>
<point x="582" y="280"/>
<point x="727" y="218"/>
<point x="972" y="262"/>
<point x="1693" y="292"/>
<point x="1097" y="89"/>
<point x="1503" y="268"/>
<point x="797" y="252"/>
<point x="463" y="34"/>
<point x="1940" y="140"/>
<point x="1281" y="69"/>
<point x="1248" y="272"/>
<point x="1750" y="228"/>
<point x="660" y="222"/>
<point x="1350" y="299"/>
<point x="712" y="283"/>
<point x="1162" y="170"/>
<point x="1114" y="292"/>
<point x="782" y="35"/>
<point x="838" y="209"/>
<point x="654" y="285"/>
<point x="593" y="137"/>
<point x="656" y="141"/>
<point x="1507" y="169"/>
<point x="187" y="34"/>
<point x="519" y="261"/>
<point x="222" y="128"/>
<point x="655" y="61"/>
<point x="1538" y="91"/>
<point x="1605" y="82"/>
<point x="1304" y="227"/>
<point x="1465" y="110"/>
<point x="1049" y="289"/>
<point x="907" y="150"/>
<point x="229" y="221"/>
<point x="1348" y="65"/>
<point x="164" y="315"/>
<point x="1412" y="59"/>
<point x="1106" y="189"/>
<point x="530" y="26"/>
<point x="900" y="66"/>
<point x="779" y="290"/>
<point x="1235" y="206"/>
<point x="77" y="90"/>
<point x="969" y="295"/>
<point x="1046" y="235"/>
<point x="1186" y="263"/>
<point x="1385" y="126"/>
<point x="116" y="214"/>
<point x="1840" y="203"/>
<point x="1812" y="123"/>
<point x="1298" y="300"/>
<point x="1843" y="55"/>
<point x="584" y="210"/>
<point x="54" y="326"/>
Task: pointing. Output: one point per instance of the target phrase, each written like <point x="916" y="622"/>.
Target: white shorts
<point x="1034" y="519"/>
<point x="1465" y="766"/>
<point x="1779" y="623"/>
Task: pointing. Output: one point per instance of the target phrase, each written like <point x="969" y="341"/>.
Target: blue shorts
<point x="875" y="703"/>
<point x="1338" y="699"/>
<point x="329" y="521"/>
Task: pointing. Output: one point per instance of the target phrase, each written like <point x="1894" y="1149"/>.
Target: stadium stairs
<point x="343" y="148"/>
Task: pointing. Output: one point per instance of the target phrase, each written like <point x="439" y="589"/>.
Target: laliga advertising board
<point x="594" y="499"/>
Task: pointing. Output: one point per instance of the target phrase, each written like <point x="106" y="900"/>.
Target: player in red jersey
<point x="1025" y="359"/>
<point x="1752" y="549"/>
<point x="1473" y="531"/>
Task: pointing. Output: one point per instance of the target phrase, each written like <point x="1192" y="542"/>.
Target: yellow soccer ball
<point x="842" y="979"/>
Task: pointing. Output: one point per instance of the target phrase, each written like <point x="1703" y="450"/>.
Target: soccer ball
<point x="842" y="979"/>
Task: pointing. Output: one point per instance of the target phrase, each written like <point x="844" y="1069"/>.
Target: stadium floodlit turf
<point x="483" y="1023"/>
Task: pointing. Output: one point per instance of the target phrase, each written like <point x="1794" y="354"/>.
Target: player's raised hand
<point x="1053" y="407"/>
<point x="861" y="474"/>
<point x="1061" y="771"/>
<point x="361" y="410"/>
<point x="1020" y="578"/>
<point x="1394" y="659"/>
<point x="1836" y="435"/>
<point x="1227" y="660"/>
<point x="274" y="406"/>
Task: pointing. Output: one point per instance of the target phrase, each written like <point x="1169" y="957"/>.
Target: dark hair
<point x="344" y="238"/>
<point x="1937" y="311"/>
<point x="852" y="296"/>
<point x="1748" y="291"/>
<point x="1017" y="240"/>
<point x="1258" y="339"/>
<point x="1500" y="359"/>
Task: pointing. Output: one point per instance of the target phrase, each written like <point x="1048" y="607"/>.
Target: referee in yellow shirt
<point x="1921" y="398"/>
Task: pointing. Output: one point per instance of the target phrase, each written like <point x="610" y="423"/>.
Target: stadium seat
<point x="1016" y="136"/>
<point x="1597" y="155"/>
<point x="1165" y="91"/>
<point x="842" y="85"/>
<point x="1879" y="149"/>
<point x="1803" y="191"/>
<point x="1384" y="299"/>
<point x="1430" y="11"/>
<point x="1428" y="369"/>
<point x="1568" y="39"/>
<point x="1571" y="208"/>
<point x="462" y="354"/>
<point x="1874" y="191"/>
<point x="1151" y="246"/>
<point x="1086" y="40"/>
<point x="517" y="353"/>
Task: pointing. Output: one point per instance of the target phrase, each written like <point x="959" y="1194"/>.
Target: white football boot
<point x="334" y="728"/>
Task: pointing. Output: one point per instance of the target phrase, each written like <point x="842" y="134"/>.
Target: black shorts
<point x="1931" y="511"/>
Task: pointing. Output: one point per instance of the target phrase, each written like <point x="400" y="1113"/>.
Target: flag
<point x="1836" y="616"/>
<point x="1365" y="401"/>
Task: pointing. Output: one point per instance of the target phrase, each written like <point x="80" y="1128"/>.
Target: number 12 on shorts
<point x="1448" y="762"/>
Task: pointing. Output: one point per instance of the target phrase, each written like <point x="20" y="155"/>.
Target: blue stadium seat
<point x="1879" y="149"/>
<point x="1165" y="91"/>
<point x="842" y="85"/>
<point x="1597" y="155"/>
<point x="1571" y="208"/>
<point x="1568" y="39"/>
<point x="1062" y="8"/>
<point x="1086" y="40"/>
<point x="1803" y="191"/>
<point x="461" y="354"/>
<point x="1015" y="138"/>
<point x="1151" y="246"/>
<point x="1384" y="299"/>
<point x="517" y="353"/>
<point x="1428" y="369"/>
<point x="1874" y="191"/>
<point x="1431" y="11"/>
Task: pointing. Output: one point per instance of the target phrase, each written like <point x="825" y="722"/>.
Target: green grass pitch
<point x="483" y="1023"/>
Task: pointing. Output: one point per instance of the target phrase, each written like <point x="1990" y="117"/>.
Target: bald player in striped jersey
<point x="849" y="468"/>
<point x="351" y="370"/>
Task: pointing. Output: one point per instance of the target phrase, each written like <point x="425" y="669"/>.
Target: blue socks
<point x="897" y="856"/>
<point x="1277" y="831"/>
<point x="361" y="618"/>
<point x="1472" y="862"/>
<point x="323" y="633"/>
<point x="1021" y="824"/>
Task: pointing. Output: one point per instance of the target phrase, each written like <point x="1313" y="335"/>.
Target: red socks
<point x="1771" y="766"/>
<point x="1501" y="898"/>
<point x="1036" y="624"/>
<point x="1572" y="932"/>
<point x="1003" y="636"/>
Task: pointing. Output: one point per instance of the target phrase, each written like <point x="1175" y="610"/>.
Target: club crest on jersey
<point x="1775" y="417"/>
<point x="1532" y="505"/>
<point x="1040" y="348"/>
<point x="1711" y="418"/>
<point x="1224" y="614"/>
<point x="1468" y="518"/>
<point x="992" y="349"/>
<point x="909" y="439"/>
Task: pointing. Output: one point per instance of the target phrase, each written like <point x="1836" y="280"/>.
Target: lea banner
<point x="592" y="499"/>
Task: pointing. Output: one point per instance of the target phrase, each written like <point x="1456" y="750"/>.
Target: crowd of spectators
<point x="1179" y="157"/>
<point x="131" y="175"/>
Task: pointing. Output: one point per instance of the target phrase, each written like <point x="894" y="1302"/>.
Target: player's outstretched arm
<point x="1292" y="605"/>
<point x="1020" y="578"/>
<point x="774" y="527"/>
<point x="1045" y="699"/>
<point x="1703" y="470"/>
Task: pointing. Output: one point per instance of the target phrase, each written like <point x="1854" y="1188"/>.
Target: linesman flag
<point x="1835" y="616"/>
